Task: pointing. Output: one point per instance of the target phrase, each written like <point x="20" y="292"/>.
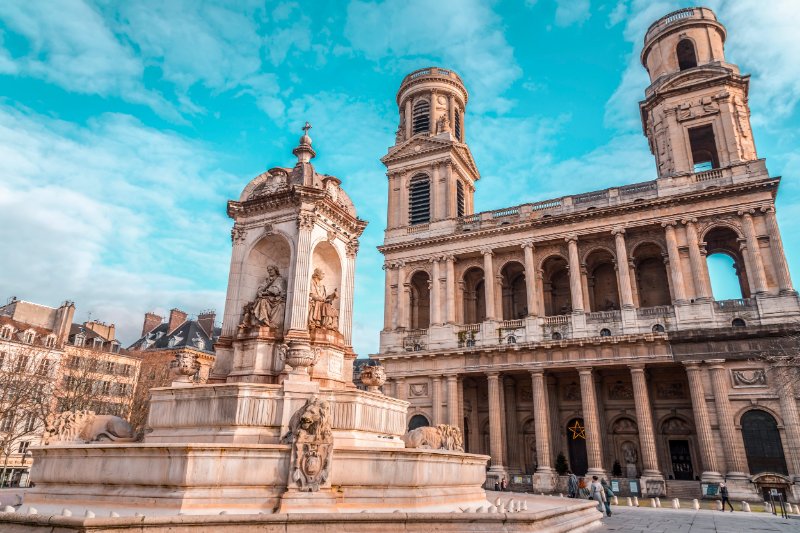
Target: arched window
<point x="417" y="421"/>
<point x="474" y="296"/>
<point x="457" y="125"/>
<point x="603" y="290"/>
<point x="420" y="301"/>
<point x="762" y="443"/>
<point x="419" y="200"/>
<point x="686" y="54"/>
<point x="556" y="336"/>
<point x="555" y="281"/>
<point x="738" y="323"/>
<point x="651" y="276"/>
<point x="459" y="199"/>
<point x="515" y="291"/>
<point x="726" y="265"/>
<point x="605" y="332"/>
<point x="421" y="121"/>
<point x="658" y="328"/>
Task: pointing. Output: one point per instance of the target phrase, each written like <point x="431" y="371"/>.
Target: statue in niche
<point x="269" y="307"/>
<point x="321" y="311"/>
<point x="443" y="124"/>
<point x="630" y="454"/>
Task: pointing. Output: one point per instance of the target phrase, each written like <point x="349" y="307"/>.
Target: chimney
<point x="151" y="322"/>
<point x="101" y="328"/>
<point x="64" y="316"/>
<point x="206" y="321"/>
<point x="176" y="318"/>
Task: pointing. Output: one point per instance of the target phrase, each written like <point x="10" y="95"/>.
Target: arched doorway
<point x="417" y="421"/>
<point x="603" y="289"/>
<point x="529" y="442"/>
<point x="515" y="293"/>
<point x="677" y="432"/>
<point x="576" y="445"/>
<point x="762" y="443"/>
<point x="555" y="287"/>
<point x="723" y="240"/>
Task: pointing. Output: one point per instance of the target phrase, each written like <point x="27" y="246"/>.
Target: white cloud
<point x="105" y="214"/>
<point x="569" y="12"/>
<point x="72" y="47"/>
<point x="466" y="36"/>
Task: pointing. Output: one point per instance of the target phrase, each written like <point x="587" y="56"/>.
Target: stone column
<point x="452" y="400"/>
<point x="594" y="438"/>
<point x="541" y="423"/>
<point x="731" y="439"/>
<point x="402" y="208"/>
<point x="644" y="418"/>
<point x="302" y="273"/>
<point x="348" y="286"/>
<point x="488" y="283"/>
<point x="436" y="294"/>
<point x="436" y="400"/>
<point x="394" y="189"/>
<point x="474" y="430"/>
<point x="676" y="274"/>
<point x="432" y="126"/>
<point x="388" y="305"/>
<point x="400" y="388"/>
<point x="530" y="279"/>
<point x="460" y="412"/>
<point x="778" y="254"/>
<point x="232" y="309"/>
<point x="791" y="419"/>
<point x="623" y="272"/>
<point x="702" y="422"/>
<point x="700" y="278"/>
<point x="495" y="417"/>
<point x="398" y="320"/>
<point x="576" y="291"/>
<point x="450" y="288"/>
<point x="512" y="431"/>
<point x="408" y="117"/>
<point x="756" y="265"/>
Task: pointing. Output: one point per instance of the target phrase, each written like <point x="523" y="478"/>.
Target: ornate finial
<point x="304" y="152"/>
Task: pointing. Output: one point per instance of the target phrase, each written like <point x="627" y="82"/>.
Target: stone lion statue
<point x="441" y="437"/>
<point x="312" y="445"/>
<point x="86" y="426"/>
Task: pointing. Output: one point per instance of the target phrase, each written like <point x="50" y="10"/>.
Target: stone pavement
<point x="688" y="520"/>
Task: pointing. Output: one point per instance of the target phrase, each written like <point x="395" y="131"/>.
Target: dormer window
<point x="421" y="121"/>
<point x="79" y="340"/>
<point x="97" y="343"/>
<point x="172" y="341"/>
<point x="28" y="337"/>
<point x="6" y="332"/>
<point x="50" y="341"/>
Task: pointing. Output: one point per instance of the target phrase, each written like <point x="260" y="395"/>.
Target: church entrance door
<point x="681" y="460"/>
<point x="762" y="443"/>
<point x="576" y="445"/>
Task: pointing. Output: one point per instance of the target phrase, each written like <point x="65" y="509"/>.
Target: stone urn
<point x="299" y="356"/>
<point x="373" y="377"/>
<point x="183" y="367"/>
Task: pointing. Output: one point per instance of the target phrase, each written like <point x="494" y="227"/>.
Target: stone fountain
<point x="279" y="437"/>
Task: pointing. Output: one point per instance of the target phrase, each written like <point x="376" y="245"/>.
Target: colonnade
<point x="727" y="449"/>
<point x="443" y="280"/>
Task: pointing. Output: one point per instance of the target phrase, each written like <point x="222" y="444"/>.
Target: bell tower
<point x="695" y="113"/>
<point x="430" y="168"/>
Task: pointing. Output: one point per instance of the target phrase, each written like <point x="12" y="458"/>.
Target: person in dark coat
<point x="572" y="485"/>
<point x="723" y="492"/>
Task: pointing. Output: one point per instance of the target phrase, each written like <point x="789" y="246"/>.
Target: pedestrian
<point x="504" y="484"/>
<point x="723" y="491"/>
<point x="496" y="485"/>
<point x="572" y="485"/>
<point x="609" y="496"/>
<point x="598" y="493"/>
<point x="583" y="490"/>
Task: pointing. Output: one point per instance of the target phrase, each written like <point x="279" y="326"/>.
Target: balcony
<point x="731" y="306"/>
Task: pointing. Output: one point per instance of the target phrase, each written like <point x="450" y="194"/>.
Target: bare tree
<point x="781" y="354"/>
<point x="155" y="372"/>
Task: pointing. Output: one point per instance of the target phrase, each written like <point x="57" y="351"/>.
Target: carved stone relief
<point x="749" y="378"/>
<point x="312" y="445"/>
<point x="525" y="393"/>
<point x="620" y="391"/>
<point x="625" y="426"/>
<point x="676" y="426"/>
<point x="572" y="392"/>
<point x="418" y="390"/>
<point x="671" y="391"/>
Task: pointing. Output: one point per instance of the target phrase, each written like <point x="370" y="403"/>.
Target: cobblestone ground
<point x="687" y="520"/>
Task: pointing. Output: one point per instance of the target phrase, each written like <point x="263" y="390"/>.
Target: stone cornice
<point x="600" y="212"/>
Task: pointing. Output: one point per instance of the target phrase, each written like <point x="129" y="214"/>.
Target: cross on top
<point x="306" y="128"/>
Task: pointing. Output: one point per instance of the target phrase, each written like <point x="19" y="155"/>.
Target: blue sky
<point x="126" y="126"/>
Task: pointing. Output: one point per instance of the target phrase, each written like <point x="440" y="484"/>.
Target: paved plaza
<point x="688" y="520"/>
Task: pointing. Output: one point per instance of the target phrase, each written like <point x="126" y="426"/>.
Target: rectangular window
<point x="460" y="199"/>
<point x="704" y="148"/>
<point x="23" y="446"/>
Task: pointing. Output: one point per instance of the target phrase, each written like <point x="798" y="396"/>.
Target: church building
<point x="586" y="325"/>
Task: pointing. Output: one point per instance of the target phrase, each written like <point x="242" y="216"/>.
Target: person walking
<point x="723" y="492"/>
<point x="597" y="493"/>
<point x="496" y="485"/>
<point x="572" y="485"/>
<point x="504" y="484"/>
<point x="609" y="496"/>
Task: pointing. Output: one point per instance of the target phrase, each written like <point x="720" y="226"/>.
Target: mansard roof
<point x="190" y="334"/>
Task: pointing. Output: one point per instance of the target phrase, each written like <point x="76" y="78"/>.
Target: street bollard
<point x="658" y="502"/>
<point x="695" y="505"/>
<point x="745" y="507"/>
<point x="635" y="501"/>
<point x="676" y="504"/>
<point x="719" y="505"/>
<point x="615" y="501"/>
<point x="653" y="502"/>
<point x="630" y="502"/>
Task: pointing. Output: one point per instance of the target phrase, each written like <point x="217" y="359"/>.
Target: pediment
<point x="420" y="146"/>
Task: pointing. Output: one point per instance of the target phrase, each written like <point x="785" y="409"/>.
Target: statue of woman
<point x="321" y="312"/>
<point x="270" y="304"/>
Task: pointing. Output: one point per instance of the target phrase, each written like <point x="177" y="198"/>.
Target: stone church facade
<point x="586" y="324"/>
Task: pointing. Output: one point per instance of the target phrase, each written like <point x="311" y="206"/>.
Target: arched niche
<point x="271" y="249"/>
<point x="326" y="258"/>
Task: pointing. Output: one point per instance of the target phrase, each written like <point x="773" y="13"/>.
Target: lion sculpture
<point x="86" y="427"/>
<point x="441" y="437"/>
<point x="312" y="445"/>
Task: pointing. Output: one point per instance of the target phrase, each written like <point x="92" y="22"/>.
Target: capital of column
<point x="692" y="366"/>
<point x="449" y="258"/>
<point x="537" y="372"/>
<point x="487" y="251"/>
<point x="669" y="224"/>
<point x="688" y="221"/>
<point x="570" y="239"/>
<point x="716" y="364"/>
<point x="637" y="368"/>
<point x="451" y="377"/>
<point x="528" y="244"/>
<point x="585" y="370"/>
<point x="767" y="209"/>
<point x="746" y="213"/>
<point x="492" y="375"/>
<point x="618" y="231"/>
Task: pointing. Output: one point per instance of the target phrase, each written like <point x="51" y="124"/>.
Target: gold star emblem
<point x="578" y="431"/>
